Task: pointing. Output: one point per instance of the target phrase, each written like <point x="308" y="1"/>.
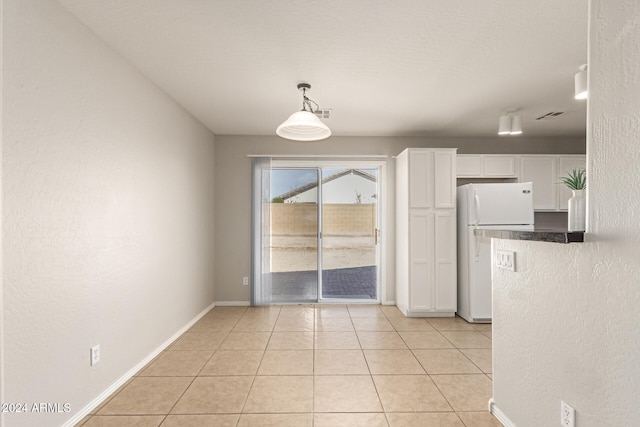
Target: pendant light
<point x="580" y="80"/>
<point x="510" y="123"/>
<point x="504" y="126"/>
<point x="304" y="125"/>
<point x="516" y="125"/>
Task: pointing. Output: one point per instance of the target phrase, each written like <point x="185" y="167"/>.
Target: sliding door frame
<point x="381" y="257"/>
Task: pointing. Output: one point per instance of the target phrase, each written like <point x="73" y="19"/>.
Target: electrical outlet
<point x="567" y="415"/>
<point x="95" y="354"/>
<point x="506" y="260"/>
<point x="245" y="281"/>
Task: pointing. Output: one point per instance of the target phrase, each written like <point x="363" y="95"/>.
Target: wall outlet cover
<point x="567" y="415"/>
<point x="95" y="354"/>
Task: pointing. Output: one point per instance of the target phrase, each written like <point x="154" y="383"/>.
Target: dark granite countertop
<point x="552" y="235"/>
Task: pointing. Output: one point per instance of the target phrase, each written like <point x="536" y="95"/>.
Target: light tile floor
<point x="306" y="365"/>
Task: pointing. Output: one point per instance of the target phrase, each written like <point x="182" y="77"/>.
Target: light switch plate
<point x="506" y="260"/>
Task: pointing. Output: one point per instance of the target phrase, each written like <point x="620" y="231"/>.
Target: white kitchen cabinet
<point x="444" y="179"/>
<point x="500" y="166"/>
<point x="545" y="171"/>
<point x="426" y="232"/>
<point x="542" y="171"/>
<point x="469" y="166"/>
<point x="486" y="166"/>
<point x="445" y="255"/>
<point x="421" y="185"/>
<point x="566" y="164"/>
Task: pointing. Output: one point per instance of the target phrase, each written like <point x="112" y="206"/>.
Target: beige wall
<point x="233" y="187"/>
<point x="567" y="323"/>
<point x="107" y="212"/>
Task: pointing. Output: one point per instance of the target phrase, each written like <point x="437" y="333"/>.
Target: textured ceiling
<point x="404" y="67"/>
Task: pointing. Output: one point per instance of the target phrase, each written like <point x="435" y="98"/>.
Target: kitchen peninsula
<point x="551" y="235"/>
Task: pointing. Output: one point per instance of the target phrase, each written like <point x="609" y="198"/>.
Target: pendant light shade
<point x="510" y="123"/>
<point x="580" y="80"/>
<point x="504" y="126"/>
<point x="304" y="125"/>
<point x="516" y="125"/>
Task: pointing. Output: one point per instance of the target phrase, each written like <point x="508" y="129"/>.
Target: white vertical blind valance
<point x="260" y="231"/>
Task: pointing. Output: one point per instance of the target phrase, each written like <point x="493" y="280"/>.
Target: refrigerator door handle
<point x="477" y="247"/>
<point x="476" y="207"/>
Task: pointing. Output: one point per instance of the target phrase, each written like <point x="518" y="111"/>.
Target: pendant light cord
<point x="306" y="102"/>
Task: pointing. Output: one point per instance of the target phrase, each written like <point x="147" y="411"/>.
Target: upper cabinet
<point x="444" y="165"/>
<point x="487" y="166"/>
<point x="545" y="171"/>
<point x="549" y="194"/>
<point x="432" y="178"/>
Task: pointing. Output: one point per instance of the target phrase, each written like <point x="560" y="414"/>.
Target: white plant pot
<point x="577" y="211"/>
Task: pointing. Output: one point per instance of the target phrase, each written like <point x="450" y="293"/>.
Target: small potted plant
<point x="576" y="181"/>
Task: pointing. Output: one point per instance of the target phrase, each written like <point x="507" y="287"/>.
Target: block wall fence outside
<point x="300" y="219"/>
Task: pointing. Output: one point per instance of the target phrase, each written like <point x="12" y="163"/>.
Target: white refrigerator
<point x="502" y="206"/>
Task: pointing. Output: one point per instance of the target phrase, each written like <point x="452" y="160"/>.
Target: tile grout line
<point x="197" y="375"/>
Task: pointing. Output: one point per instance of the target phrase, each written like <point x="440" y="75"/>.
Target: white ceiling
<point x="387" y="68"/>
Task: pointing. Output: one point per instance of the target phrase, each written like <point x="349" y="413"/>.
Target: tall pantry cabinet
<point x="426" y="232"/>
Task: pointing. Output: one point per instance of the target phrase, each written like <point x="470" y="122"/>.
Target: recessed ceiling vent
<point x="324" y="113"/>
<point x="550" y="115"/>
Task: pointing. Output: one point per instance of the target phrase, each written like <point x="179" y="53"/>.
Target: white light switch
<point x="506" y="260"/>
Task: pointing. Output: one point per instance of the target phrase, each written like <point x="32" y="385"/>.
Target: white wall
<point x="567" y="324"/>
<point x="107" y="213"/>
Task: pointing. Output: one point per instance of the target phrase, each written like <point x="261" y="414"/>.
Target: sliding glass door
<point x="322" y="238"/>
<point x="294" y="236"/>
<point x="349" y="234"/>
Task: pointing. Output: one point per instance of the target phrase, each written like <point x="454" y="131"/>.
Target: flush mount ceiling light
<point x="304" y="125"/>
<point x="580" y="80"/>
<point x="510" y="123"/>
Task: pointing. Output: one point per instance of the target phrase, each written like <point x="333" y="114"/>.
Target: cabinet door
<point x="421" y="243"/>
<point x="542" y="171"/>
<point x="567" y="164"/>
<point x="469" y="166"/>
<point x="445" y="260"/>
<point x="444" y="164"/>
<point x="499" y="166"/>
<point x="420" y="181"/>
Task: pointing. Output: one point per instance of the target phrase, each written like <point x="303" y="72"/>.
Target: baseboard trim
<point x="496" y="412"/>
<point x="247" y="303"/>
<point x="126" y="377"/>
<point x="233" y="303"/>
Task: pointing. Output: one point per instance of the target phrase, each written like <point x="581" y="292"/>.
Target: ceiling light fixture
<point x="510" y="123"/>
<point x="304" y="125"/>
<point x="504" y="127"/>
<point x="580" y="80"/>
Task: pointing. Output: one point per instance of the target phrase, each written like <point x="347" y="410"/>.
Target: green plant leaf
<point x="576" y="179"/>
